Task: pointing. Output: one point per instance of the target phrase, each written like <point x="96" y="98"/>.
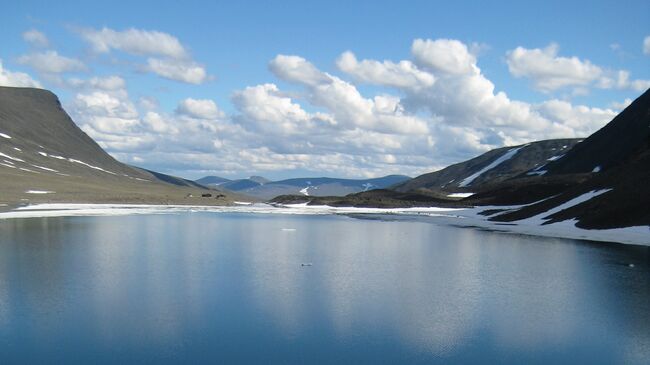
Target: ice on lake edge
<point x="466" y="217"/>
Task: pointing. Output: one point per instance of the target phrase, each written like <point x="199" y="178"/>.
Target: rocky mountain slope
<point x="623" y="139"/>
<point x="45" y="157"/>
<point x="490" y="168"/>
<point x="318" y="186"/>
<point x="611" y="168"/>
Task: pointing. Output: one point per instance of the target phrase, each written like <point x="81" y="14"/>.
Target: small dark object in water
<point x="306" y="264"/>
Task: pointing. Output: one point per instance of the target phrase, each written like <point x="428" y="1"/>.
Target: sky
<point x="350" y="89"/>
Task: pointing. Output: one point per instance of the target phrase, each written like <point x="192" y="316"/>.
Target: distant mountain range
<point x="600" y="182"/>
<point x="259" y="187"/>
<point x="45" y="157"/>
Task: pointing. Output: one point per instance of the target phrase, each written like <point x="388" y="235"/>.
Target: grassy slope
<point x="37" y="125"/>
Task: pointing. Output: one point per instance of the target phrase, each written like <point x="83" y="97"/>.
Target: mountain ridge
<point x="568" y="187"/>
<point x="469" y="174"/>
<point x="46" y="157"/>
<point x="309" y="186"/>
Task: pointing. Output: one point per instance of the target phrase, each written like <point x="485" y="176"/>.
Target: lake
<point x="260" y="288"/>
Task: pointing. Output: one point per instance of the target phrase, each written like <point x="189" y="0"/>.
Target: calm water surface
<point x="230" y="288"/>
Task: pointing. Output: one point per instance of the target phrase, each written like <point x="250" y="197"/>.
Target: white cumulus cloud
<point x="344" y="102"/>
<point x="297" y="69"/>
<point x="199" y="108"/>
<point x="550" y="72"/>
<point x="110" y="83"/>
<point x="166" y="55"/>
<point x="444" y="55"/>
<point x="134" y="41"/>
<point x="16" y="79"/>
<point x="36" y="38"/>
<point x="50" y="62"/>
<point x="177" y="70"/>
<point x="646" y="45"/>
<point x="264" y="109"/>
<point x="403" y="74"/>
<point x="623" y="82"/>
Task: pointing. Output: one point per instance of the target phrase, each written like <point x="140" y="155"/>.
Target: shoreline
<point x="459" y="217"/>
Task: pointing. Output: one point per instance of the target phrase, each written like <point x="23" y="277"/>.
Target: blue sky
<point x="241" y="88"/>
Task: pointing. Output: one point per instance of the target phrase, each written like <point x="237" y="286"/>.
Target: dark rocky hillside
<point x="617" y="143"/>
<point x="621" y="151"/>
<point x="490" y="168"/>
<point x="381" y="198"/>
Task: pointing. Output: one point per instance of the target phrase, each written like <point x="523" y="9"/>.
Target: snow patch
<point x="5" y="136"/>
<point x="44" y="168"/>
<point x="6" y="165"/>
<point x="243" y="203"/>
<point x="535" y="172"/>
<point x="543" y="217"/>
<point x="28" y="170"/>
<point x="596" y="169"/>
<point x="11" y="158"/>
<point x="505" y="157"/>
<point x="367" y="186"/>
<point x="18" y="149"/>
<point x="459" y="195"/>
<point x="39" y="192"/>
<point x="305" y="191"/>
<point x="91" y="166"/>
<point x="554" y="158"/>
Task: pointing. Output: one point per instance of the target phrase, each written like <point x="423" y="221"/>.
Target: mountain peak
<point x="259" y="179"/>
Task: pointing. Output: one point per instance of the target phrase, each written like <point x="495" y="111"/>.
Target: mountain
<point x="611" y="168"/>
<point x="318" y="186"/>
<point x="45" y="157"/>
<point x="212" y="180"/>
<point x="233" y="185"/>
<point x="601" y="182"/>
<point x="490" y="168"/>
<point x="259" y="179"/>
<point x="623" y="138"/>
